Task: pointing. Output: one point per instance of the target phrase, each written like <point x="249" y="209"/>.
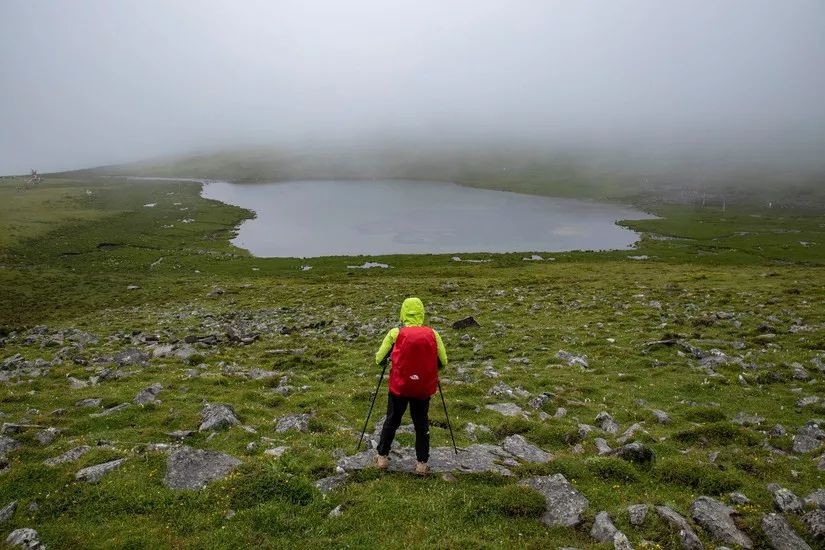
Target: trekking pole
<point x="448" y="416"/>
<point x="371" y="405"/>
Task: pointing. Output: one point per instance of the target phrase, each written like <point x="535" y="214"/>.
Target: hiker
<point x="416" y="353"/>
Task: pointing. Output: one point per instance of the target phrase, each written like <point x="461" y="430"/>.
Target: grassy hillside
<point x="88" y="275"/>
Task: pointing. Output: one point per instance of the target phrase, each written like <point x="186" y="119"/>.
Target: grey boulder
<point x="565" y="505"/>
<point x="297" y="422"/>
<point x="25" y="538"/>
<point x="785" y="500"/>
<point x="217" y="416"/>
<point x="687" y="536"/>
<point x="8" y="511"/>
<point x="148" y="395"/>
<point x="519" y="447"/>
<point x="637" y="513"/>
<point x="781" y="535"/>
<point x="92" y="474"/>
<point x="716" y="519"/>
<point x="603" y="528"/>
<point x="69" y="456"/>
<point x="815" y="522"/>
<point x="193" y="469"/>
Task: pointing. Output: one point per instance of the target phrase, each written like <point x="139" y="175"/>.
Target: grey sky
<point x="90" y="82"/>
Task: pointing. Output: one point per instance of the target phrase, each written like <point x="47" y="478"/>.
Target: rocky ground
<point x="671" y="411"/>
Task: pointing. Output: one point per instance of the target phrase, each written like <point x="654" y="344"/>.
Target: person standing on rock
<point x="416" y="354"/>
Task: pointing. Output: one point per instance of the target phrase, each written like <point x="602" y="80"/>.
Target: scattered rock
<point x="110" y="410"/>
<point x="69" y="456"/>
<point x="661" y="416"/>
<point x="297" y="422"/>
<point x="565" y="505"/>
<point x="815" y="522"/>
<point x="687" y="537"/>
<point x="738" y="498"/>
<point x="808" y="401"/>
<point x="192" y="469"/>
<point x="47" y="436"/>
<point x="817" y="499"/>
<point x="601" y="446"/>
<point x="507" y="409"/>
<point x="472" y="429"/>
<point x="25" y="538"/>
<point x="603" y="528"/>
<point x="92" y="474"/>
<point x="89" y="403"/>
<point x="620" y="542"/>
<point x="519" y="447"/>
<point x="781" y="535"/>
<point x="180" y="435"/>
<point x="7" y="445"/>
<point x="539" y="401"/>
<point x="785" y="500"/>
<point x="217" y="416"/>
<point x="215" y="292"/>
<point x="473" y="459"/>
<point x="744" y="419"/>
<point x="8" y="511"/>
<point x="276" y="452"/>
<point x="335" y="512"/>
<point x="467" y="322"/>
<point x="634" y="452"/>
<point x="637" y="513"/>
<point x="607" y="423"/>
<point x="803" y="443"/>
<point x="572" y="360"/>
<point x="131" y="357"/>
<point x="148" y="395"/>
<point x="716" y="519"/>
<point x="329" y="484"/>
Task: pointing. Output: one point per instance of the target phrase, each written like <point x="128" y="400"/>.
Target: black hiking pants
<point x="419" y="409"/>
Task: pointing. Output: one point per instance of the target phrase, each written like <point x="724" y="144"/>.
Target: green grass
<point x="55" y="272"/>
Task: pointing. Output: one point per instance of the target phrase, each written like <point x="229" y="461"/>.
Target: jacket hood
<point x="412" y="312"/>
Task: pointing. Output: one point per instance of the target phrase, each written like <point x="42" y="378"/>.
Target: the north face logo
<point x="414" y="377"/>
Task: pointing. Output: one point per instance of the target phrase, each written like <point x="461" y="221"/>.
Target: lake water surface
<point x="334" y="218"/>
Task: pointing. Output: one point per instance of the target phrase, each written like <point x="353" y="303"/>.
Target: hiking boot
<point x="421" y="468"/>
<point x="382" y="462"/>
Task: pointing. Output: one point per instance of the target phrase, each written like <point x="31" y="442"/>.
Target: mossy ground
<point x="70" y="263"/>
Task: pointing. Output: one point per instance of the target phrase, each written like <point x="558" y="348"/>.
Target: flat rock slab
<point x="69" y="456"/>
<point x="781" y="535"/>
<point x="193" y="469"/>
<point x="110" y="410"/>
<point x="716" y="519"/>
<point x="92" y="474"/>
<point x="475" y="458"/>
<point x="519" y="447"/>
<point x="329" y="484"/>
<point x="565" y="505"/>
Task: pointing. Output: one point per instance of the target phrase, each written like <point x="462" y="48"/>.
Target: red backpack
<point x="414" y="370"/>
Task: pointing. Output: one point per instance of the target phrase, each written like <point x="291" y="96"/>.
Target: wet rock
<point x="193" y="469"/>
<point x="47" y="436"/>
<point x="745" y="419"/>
<point x="110" y="410"/>
<point x="8" y="511"/>
<point x="217" y="416"/>
<point x="7" y="445"/>
<point x="92" y="474"/>
<point x="637" y="513"/>
<point x="69" y="456"/>
<point x="815" y="522"/>
<point x="716" y="519"/>
<point x="131" y="357"/>
<point x="507" y="409"/>
<point x="661" y="416"/>
<point x="572" y="360"/>
<point x="329" y="484"/>
<point x="781" y="535"/>
<point x="607" y="423"/>
<point x="687" y="537"/>
<point x="519" y="447"/>
<point x="565" y="505"/>
<point x="148" y="395"/>
<point x="89" y="403"/>
<point x="603" y="528"/>
<point x="297" y="422"/>
<point x="25" y="538"/>
<point x="785" y="500"/>
<point x="467" y="322"/>
<point x="634" y="452"/>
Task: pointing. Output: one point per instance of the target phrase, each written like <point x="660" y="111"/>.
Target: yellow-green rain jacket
<point x="412" y="315"/>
